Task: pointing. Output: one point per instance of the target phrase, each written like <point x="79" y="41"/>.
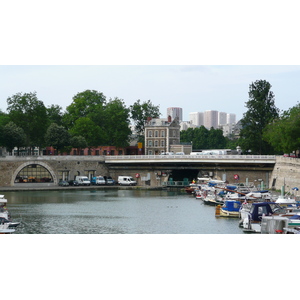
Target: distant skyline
<point x="191" y="87"/>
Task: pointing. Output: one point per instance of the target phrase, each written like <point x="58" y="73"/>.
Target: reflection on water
<point x="114" y="212"/>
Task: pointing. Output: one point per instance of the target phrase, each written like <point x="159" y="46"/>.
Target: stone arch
<point x="22" y="166"/>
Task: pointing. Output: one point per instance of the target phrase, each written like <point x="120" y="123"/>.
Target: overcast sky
<point x="202" y="55"/>
<point x="194" y="88"/>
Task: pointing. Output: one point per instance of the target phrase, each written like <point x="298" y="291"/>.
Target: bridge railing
<point x="190" y="157"/>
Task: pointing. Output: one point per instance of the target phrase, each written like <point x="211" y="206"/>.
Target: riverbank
<point x="36" y="187"/>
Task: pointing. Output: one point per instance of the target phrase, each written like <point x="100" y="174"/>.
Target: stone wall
<point x="286" y="173"/>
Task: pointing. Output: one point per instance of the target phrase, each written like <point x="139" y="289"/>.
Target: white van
<point x="126" y="180"/>
<point x="83" y="180"/>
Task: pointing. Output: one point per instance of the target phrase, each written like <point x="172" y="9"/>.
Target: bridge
<point x="153" y="170"/>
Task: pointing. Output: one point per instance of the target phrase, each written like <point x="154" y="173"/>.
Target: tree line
<point x="265" y="130"/>
<point x="91" y="120"/>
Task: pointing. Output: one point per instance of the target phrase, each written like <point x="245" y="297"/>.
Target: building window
<point x="149" y="143"/>
<point x="162" y="143"/>
<point x="149" y="152"/>
<point x="120" y="152"/>
<point x="150" y="133"/>
<point x="34" y="173"/>
<point x="156" y="144"/>
<point x="162" y="133"/>
<point x="97" y="152"/>
<point x="156" y="133"/>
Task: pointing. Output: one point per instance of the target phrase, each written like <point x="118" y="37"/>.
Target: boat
<point x="4" y="214"/>
<point x="251" y="214"/>
<point x="231" y="209"/>
<point x="280" y="224"/>
<point x="4" y="228"/>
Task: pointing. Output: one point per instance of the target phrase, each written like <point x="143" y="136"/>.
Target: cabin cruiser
<point x="5" y="218"/>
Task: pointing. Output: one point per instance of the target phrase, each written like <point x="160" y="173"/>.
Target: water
<point x="115" y="212"/>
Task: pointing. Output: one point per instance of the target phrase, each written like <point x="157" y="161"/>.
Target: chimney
<point x="169" y="119"/>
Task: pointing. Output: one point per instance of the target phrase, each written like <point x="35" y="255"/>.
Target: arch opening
<point x="34" y="173"/>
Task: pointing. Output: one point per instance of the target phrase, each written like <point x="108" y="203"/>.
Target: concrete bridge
<point x="273" y="171"/>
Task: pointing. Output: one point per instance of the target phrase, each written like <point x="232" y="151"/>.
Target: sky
<point x="194" y="88"/>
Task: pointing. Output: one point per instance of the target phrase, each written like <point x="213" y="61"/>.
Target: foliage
<point x="55" y="114"/>
<point x="139" y="114"/>
<point x="4" y="119"/>
<point x="283" y="132"/>
<point x="117" y="123"/>
<point x="90" y="104"/>
<point x="261" y="111"/>
<point x="78" y="142"/>
<point x="13" y="136"/>
<point x="57" y="137"/>
<point x="30" y="114"/>
<point x="202" y="138"/>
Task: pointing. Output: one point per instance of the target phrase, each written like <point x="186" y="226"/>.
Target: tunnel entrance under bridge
<point x="179" y="175"/>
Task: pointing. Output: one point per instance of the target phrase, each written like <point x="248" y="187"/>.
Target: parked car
<point x="63" y="183"/>
<point x="109" y="180"/>
<point x="73" y="182"/>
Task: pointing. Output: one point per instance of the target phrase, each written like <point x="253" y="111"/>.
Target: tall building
<point x="175" y="112"/>
<point x="222" y="118"/>
<point x="211" y="119"/>
<point x="196" y="118"/>
<point x="231" y="118"/>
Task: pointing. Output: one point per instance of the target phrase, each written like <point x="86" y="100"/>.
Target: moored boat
<point x="5" y="217"/>
<point x="231" y="209"/>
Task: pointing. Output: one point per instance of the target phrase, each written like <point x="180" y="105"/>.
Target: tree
<point x="4" y="119"/>
<point x="13" y="136"/>
<point x="117" y="123"/>
<point x="57" y="137"/>
<point x="30" y="114"/>
<point x="89" y="103"/>
<point x="261" y="112"/>
<point x="139" y="114"/>
<point x="78" y="142"/>
<point x="283" y="132"/>
<point x="55" y="114"/>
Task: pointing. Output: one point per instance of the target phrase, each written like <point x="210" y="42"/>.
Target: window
<point x="162" y="143"/>
<point x="156" y="144"/>
<point x="156" y="133"/>
<point x="162" y="133"/>
<point x="150" y="133"/>
<point x="34" y="173"/>
<point x="149" y="143"/>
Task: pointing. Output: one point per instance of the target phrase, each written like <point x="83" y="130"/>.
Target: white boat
<point x="4" y="214"/>
<point x="4" y="228"/>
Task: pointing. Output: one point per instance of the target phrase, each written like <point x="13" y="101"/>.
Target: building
<point x="160" y="134"/>
<point x="231" y="119"/>
<point x="175" y="112"/>
<point x="222" y="118"/>
<point x="211" y="119"/>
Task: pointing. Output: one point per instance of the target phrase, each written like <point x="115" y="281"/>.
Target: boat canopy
<point x="232" y="205"/>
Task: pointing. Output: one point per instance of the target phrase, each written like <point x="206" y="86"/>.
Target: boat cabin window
<point x="262" y="210"/>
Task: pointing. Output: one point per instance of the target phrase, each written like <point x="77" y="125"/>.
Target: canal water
<point x="113" y="211"/>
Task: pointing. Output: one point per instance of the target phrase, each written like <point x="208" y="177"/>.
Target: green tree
<point x="57" y="137"/>
<point x="90" y="104"/>
<point x="117" y="123"/>
<point x="139" y="114"/>
<point x="30" y="114"/>
<point x="13" y="136"/>
<point x="4" y="119"/>
<point x="55" y="114"/>
<point x="261" y="111"/>
<point x="93" y="134"/>
<point x="283" y="132"/>
<point x="216" y="139"/>
<point x="78" y="142"/>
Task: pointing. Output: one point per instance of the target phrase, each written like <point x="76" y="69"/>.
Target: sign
<point x="137" y="175"/>
<point x="236" y="176"/>
<point x="140" y="145"/>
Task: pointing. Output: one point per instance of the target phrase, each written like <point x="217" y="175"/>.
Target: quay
<point x="151" y="171"/>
